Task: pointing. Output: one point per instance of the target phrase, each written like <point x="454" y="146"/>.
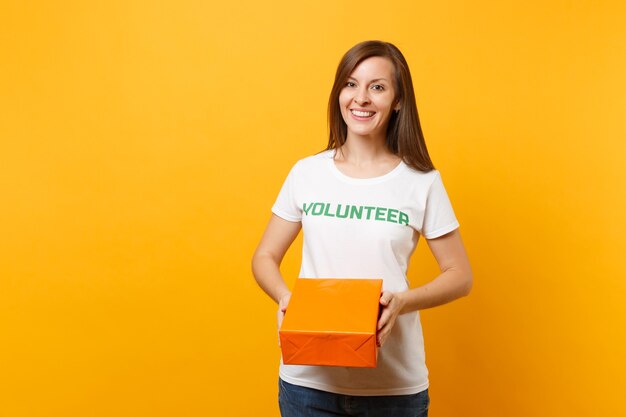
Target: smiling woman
<point x="366" y="103"/>
<point x="363" y="204"/>
<point x="388" y="70"/>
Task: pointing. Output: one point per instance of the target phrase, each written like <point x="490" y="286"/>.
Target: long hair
<point x="404" y="133"/>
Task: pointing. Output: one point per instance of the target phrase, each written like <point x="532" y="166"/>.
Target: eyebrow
<point x="372" y="81"/>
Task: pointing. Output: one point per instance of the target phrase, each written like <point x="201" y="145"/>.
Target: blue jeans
<point x="297" y="401"/>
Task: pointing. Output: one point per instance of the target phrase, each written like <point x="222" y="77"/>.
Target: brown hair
<point x="404" y="133"/>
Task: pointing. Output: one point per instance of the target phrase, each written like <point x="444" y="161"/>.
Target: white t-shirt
<point x="365" y="228"/>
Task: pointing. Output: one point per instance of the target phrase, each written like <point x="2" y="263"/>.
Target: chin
<point x="363" y="132"/>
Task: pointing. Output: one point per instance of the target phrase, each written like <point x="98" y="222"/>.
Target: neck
<point x="362" y="149"/>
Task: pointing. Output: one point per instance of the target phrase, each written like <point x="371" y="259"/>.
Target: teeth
<point x="362" y="113"/>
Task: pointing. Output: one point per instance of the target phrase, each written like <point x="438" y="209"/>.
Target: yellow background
<point x="143" y="144"/>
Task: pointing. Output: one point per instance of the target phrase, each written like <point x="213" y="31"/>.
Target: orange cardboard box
<point x="331" y="322"/>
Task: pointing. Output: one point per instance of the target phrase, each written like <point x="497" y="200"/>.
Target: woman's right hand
<point x="282" y="308"/>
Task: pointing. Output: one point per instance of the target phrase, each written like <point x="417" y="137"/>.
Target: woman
<point x="380" y="192"/>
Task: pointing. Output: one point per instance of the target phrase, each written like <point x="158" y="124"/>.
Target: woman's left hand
<point x="391" y="305"/>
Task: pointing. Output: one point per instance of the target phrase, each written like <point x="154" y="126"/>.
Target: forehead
<point x="373" y="68"/>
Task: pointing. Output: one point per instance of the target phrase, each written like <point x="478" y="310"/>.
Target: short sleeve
<point x="285" y="205"/>
<point x="439" y="217"/>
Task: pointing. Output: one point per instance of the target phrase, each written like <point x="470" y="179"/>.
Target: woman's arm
<point x="455" y="281"/>
<point x="278" y="236"/>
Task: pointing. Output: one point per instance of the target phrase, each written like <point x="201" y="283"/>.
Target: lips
<point x="362" y="114"/>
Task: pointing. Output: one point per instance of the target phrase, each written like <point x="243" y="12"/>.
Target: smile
<point x="362" y="113"/>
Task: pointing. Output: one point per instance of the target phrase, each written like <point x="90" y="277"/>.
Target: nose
<point x="361" y="98"/>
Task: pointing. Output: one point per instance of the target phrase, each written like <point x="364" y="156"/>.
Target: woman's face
<point x="368" y="98"/>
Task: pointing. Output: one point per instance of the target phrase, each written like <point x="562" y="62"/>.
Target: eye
<point x="350" y="84"/>
<point x="378" y="87"/>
